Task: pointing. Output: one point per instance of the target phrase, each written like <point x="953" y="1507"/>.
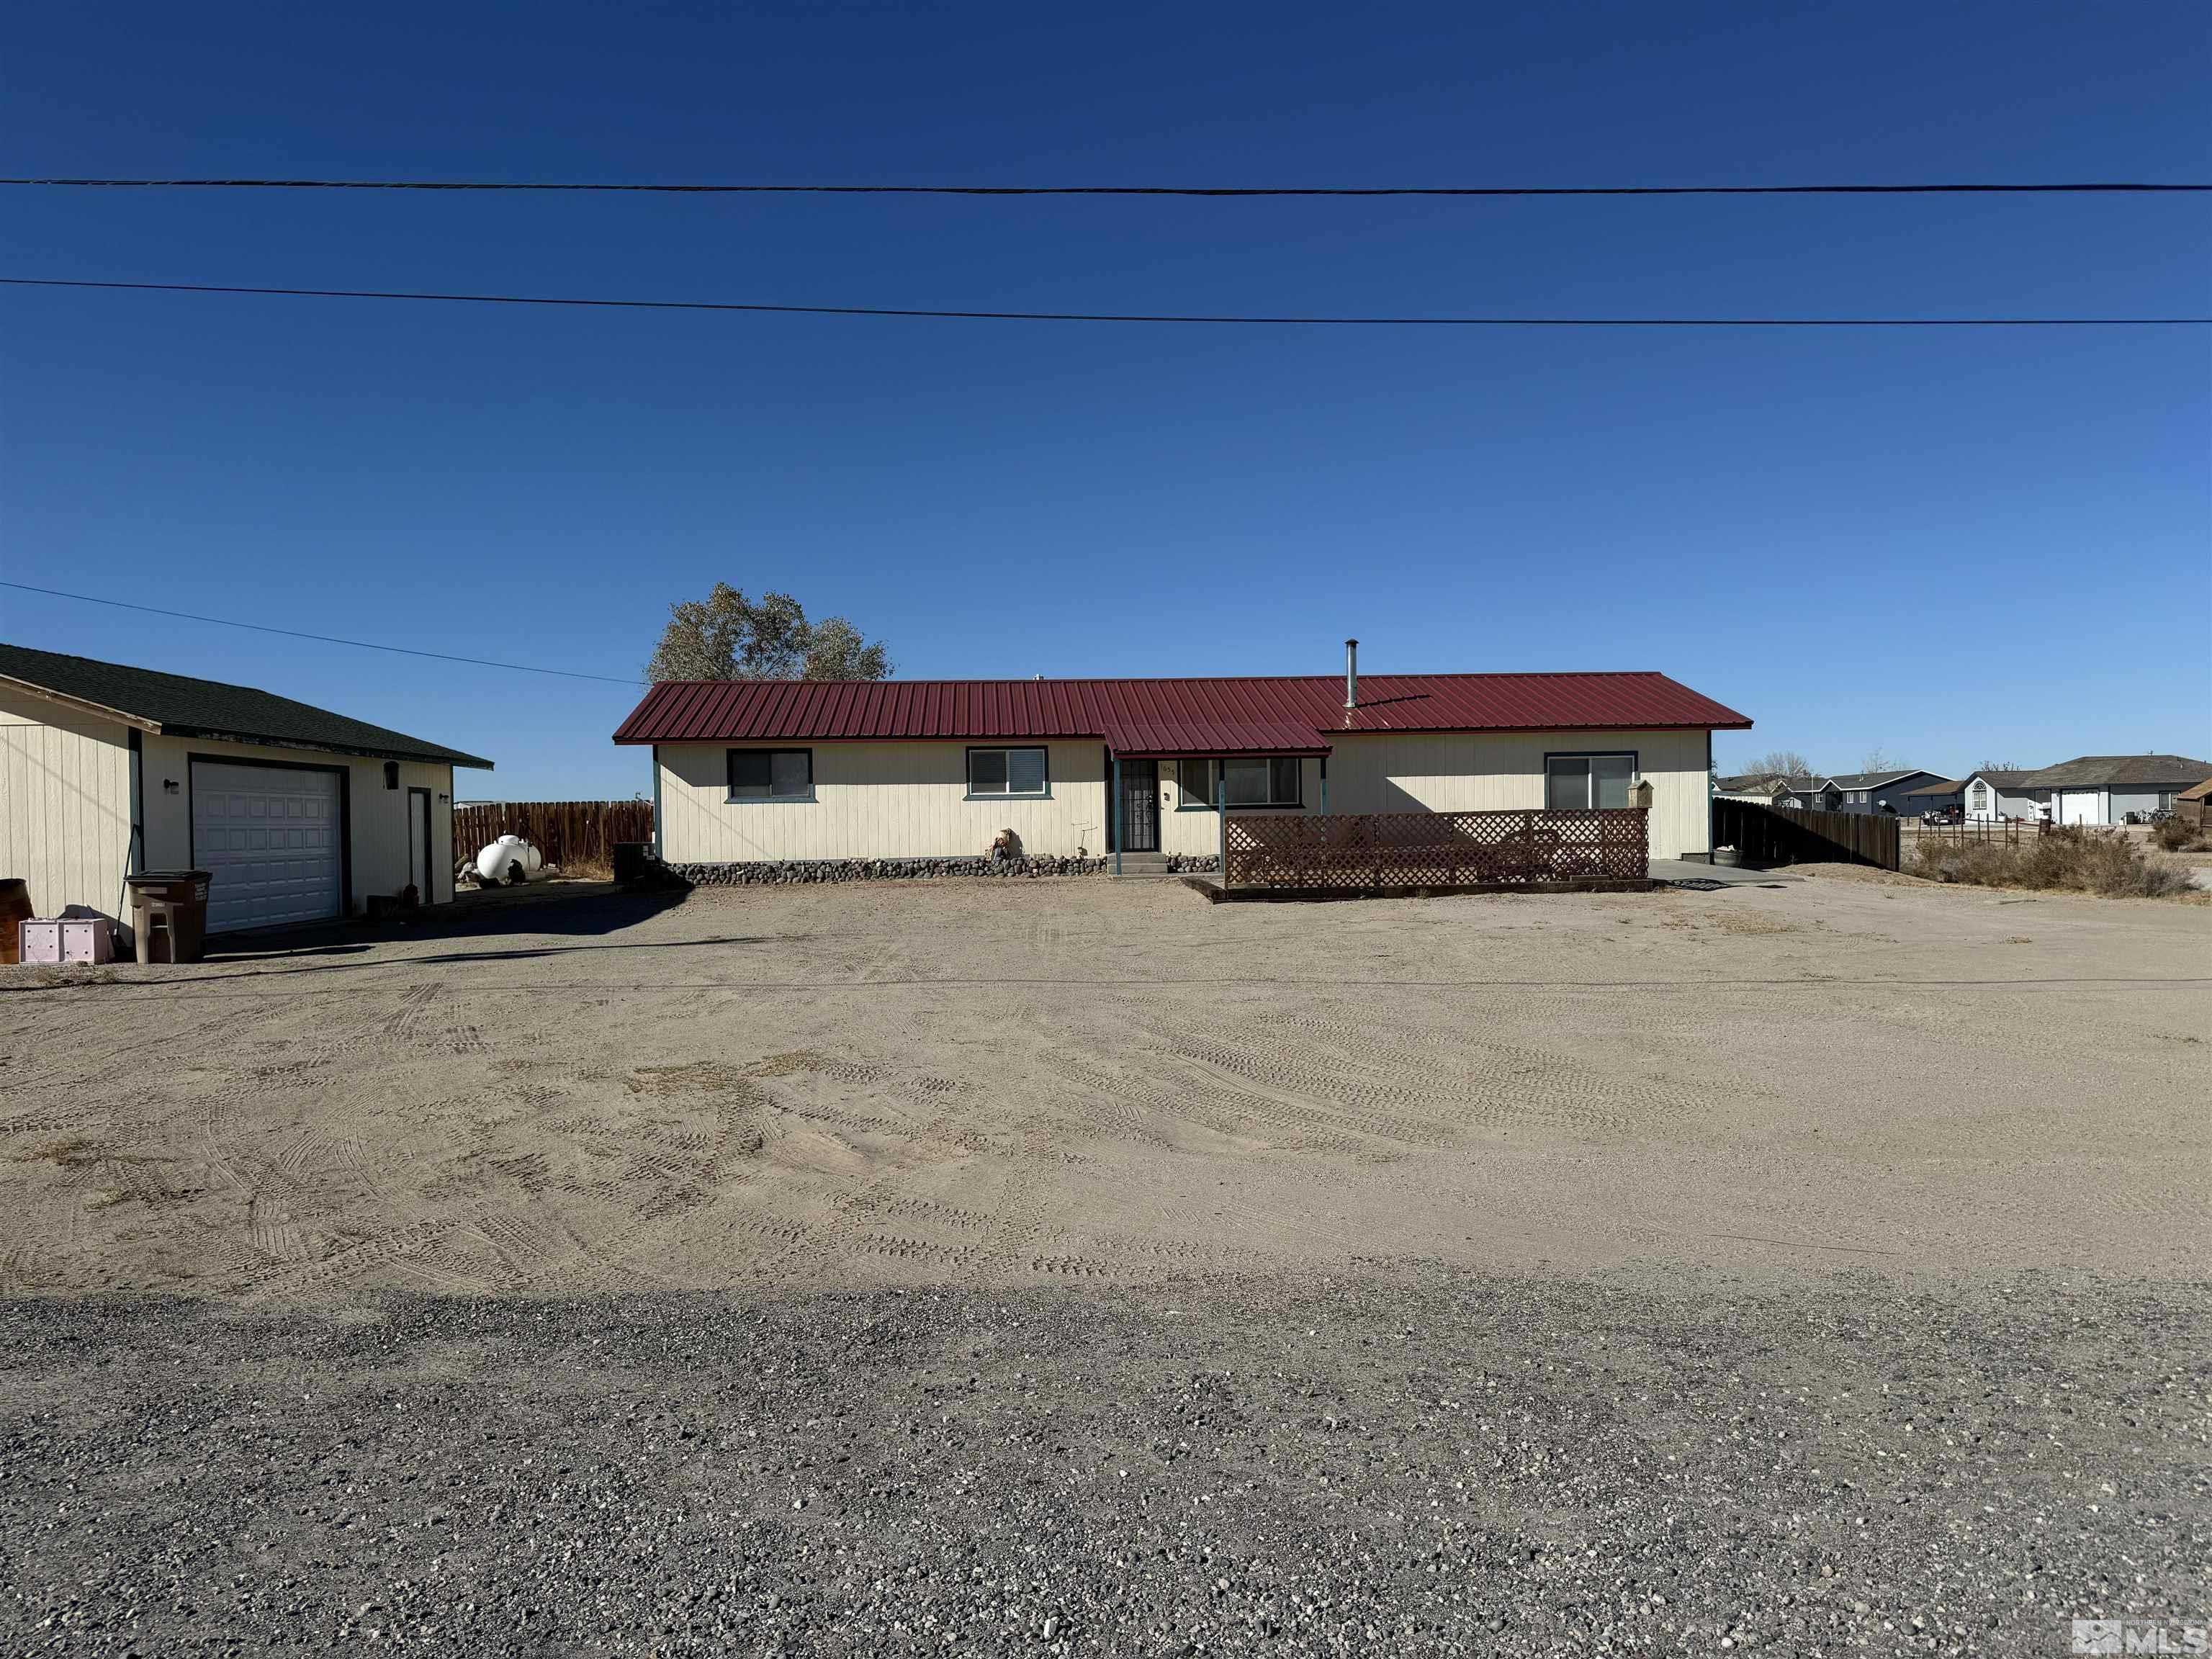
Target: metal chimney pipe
<point x="1351" y="673"/>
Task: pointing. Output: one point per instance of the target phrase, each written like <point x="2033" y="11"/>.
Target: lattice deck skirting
<point x="1383" y="853"/>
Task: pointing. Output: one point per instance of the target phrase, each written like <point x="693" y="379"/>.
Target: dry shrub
<point x="2179" y="835"/>
<point x="2064" y="859"/>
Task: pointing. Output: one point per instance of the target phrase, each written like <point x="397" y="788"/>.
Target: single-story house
<point x="298" y="814"/>
<point x="1934" y="797"/>
<point x="2106" y="788"/>
<point x="1812" y="793"/>
<point x="2003" y="794"/>
<point x="773" y="771"/>
<point x="1879" y="791"/>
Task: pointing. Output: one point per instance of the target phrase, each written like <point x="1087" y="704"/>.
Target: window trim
<point x="731" y="797"/>
<point x="1213" y="771"/>
<point x="967" y="772"/>
<point x="1633" y="756"/>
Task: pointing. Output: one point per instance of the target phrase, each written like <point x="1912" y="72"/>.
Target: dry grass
<point x="2065" y="860"/>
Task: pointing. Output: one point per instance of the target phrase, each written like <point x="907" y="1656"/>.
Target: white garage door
<point x="269" y="836"/>
<point x="2081" y="806"/>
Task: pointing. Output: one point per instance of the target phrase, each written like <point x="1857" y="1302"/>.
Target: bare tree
<point x="1877" y="760"/>
<point x="2000" y="766"/>
<point x="727" y="636"/>
<point x="1781" y="763"/>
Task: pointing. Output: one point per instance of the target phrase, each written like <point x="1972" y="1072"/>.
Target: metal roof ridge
<point x="1207" y="679"/>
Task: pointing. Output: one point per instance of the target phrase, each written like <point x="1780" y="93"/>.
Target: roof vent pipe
<point x="1351" y="673"/>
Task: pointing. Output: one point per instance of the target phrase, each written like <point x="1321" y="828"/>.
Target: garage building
<point x="301" y="814"/>
<point x="2105" y="789"/>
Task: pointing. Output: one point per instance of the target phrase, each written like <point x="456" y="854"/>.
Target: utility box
<point x="90" y="939"/>
<point x="40" y="941"/>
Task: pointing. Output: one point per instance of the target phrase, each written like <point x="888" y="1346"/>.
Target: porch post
<point x="1221" y="811"/>
<point x="1117" y="812"/>
<point x="1324" y="786"/>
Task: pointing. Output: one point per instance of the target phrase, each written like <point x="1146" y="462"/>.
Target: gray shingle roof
<point x="1875" y="779"/>
<point x="1747" y="782"/>
<point x="1941" y="786"/>
<point x="183" y="707"/>
<point x="2120" y="772"/>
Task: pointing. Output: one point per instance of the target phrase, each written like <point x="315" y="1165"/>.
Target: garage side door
<point x="269" y="836"/>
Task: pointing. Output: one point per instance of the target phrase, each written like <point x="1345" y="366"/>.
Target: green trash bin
<point x="168" y="914"/>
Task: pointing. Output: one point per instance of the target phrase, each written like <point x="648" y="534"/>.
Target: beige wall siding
<point x="876" y="801"/>
<point x="64" y="803"/>
<point x="909" y="799"/>
<point x="376" y="821"/>
<point x="1502" y="771"/>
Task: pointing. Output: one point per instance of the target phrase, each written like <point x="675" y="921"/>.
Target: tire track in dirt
<point x="400" y="1021"/>
<point x="1396" y="1086"/>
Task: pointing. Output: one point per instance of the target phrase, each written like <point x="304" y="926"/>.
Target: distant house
<point x="299" y="814"/>
<point x="1990" y="796"/>
<point x="2106" y="788"/>
<point x="1936" y="797"/>
<point x="1812" y="793"/>
<point x="1879" y="792"/>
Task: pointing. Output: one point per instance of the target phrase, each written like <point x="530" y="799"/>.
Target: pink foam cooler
<point x="41" y="941"/>
<point x="92" y="941"/>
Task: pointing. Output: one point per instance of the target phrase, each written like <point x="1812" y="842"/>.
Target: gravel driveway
<point x="1414" y="1463"/>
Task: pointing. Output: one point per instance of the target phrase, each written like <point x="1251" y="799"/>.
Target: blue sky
<point x="1957" y="547"/>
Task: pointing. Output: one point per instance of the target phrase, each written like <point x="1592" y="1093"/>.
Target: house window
<point x="1261" y="781"/>
<point x="1980" y="795"/>
<point x="1250" y="780"/>
<point x="1195" y="779"/>
<point x="1856" y="797"/>
<point x="999" y="773"/>
<point x="771" y="775"/>
<point x="1573" y="783"/>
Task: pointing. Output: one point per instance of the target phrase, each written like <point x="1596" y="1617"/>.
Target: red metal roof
<point x="1286" y="716"/>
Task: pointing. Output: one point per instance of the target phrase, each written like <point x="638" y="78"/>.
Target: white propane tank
<point x="509" y="860"/>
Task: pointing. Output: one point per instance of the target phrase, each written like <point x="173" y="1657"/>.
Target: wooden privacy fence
<point x="1390" y="852"/>
<point x="1769" y="834"/>
<point x="566" y="831"/>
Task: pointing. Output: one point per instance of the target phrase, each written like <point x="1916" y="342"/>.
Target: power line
<point x="1123" y="317"/>
<point x="2069" y="188"/>
<point x="324" y="638"/>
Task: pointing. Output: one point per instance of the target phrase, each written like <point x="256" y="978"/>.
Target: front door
<point x="1141" y="806"/>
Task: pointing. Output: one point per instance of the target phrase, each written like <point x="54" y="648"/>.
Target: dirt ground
<point x="972" y="1083"/>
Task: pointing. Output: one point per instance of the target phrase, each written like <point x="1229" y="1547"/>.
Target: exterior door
<point x="269" y="836"/>
<point x="2081" y="806"/>
<point x="1141" y="806"/>
<point x="418" y="843"/>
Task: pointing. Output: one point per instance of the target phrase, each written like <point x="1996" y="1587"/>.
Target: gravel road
<point x="1411" y="1462"/>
